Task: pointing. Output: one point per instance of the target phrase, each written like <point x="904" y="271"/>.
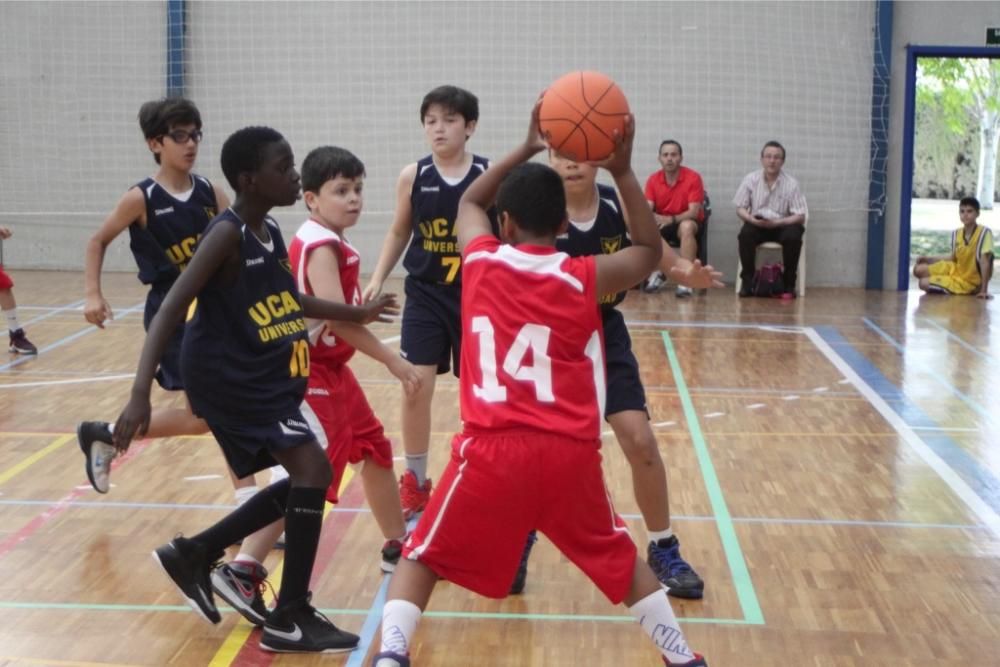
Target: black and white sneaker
<point x="391" y="551"/>
<point x="95" y="441"/>
<point x="242" y="584"/>
<point x="299" y="628"/>
<point x="188" y="565"/>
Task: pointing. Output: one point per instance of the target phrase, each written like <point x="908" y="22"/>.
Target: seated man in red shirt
<point x="675" y="194"/>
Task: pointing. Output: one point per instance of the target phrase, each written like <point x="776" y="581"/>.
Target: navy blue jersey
<point x="245" y="357"/>
<point x="433" y="254"/>
<point x="605" y="235"/>
<point x="164" y="247"/>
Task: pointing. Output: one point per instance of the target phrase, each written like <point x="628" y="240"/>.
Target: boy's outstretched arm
<point x="214" y="250"/>
<point x="472" y="220"/>
<point x="398" y="235"/>
<point x="382" y="309"/>
<point x="625" y="268"/>
<point x="130" y="208"/>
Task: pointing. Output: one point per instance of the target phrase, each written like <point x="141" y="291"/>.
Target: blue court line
<point x="936" y="375"/>
<point x="958" y="339"/>
<point x="66" y="339"/>
<point x="981" y="480"/>
<point x="724" y="523"/>
<point x="372" y="621"/>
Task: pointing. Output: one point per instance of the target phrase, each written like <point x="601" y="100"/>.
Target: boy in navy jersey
<point x="427" y="196"/>
<point x="245" y="362"/>
<point x="532" y="390"/>
<point x="598" y="225"/>
<point x="326" y="265"/>
<point x="165" y="216"/>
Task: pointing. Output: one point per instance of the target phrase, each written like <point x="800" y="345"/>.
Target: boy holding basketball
<point x="19" y="343"/>
<point x="598" y="224"/>
<point x="427" y="195"/>
<point x="532" y="387"/>
<point x="245" y="361"/>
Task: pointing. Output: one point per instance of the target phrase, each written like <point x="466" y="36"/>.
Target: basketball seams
<point x="585" y="133"/>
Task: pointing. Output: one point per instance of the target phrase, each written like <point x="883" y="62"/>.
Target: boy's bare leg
<point x="416" y="424"/>
<point x="7" y="301"/>
<point x="383" y="498"/>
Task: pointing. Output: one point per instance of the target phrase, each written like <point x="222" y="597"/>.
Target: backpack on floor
<point x="769" y="280"/>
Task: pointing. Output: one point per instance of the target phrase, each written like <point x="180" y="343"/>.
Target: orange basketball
<point x="580" y="113"/>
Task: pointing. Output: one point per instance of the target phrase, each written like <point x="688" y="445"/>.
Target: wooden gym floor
<point x="834" y="477"/>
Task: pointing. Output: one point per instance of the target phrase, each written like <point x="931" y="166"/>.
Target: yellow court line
<point x="17" y="468"/>
<point x="238" y="636"/>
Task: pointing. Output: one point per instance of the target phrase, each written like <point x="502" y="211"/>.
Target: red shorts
<point x="5" y="280"/>
<point x="496" y="488"/>
<point x="353" y="432"/>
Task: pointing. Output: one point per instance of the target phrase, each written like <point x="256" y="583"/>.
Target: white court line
<point x="200" y="478"/>
<point x="820" y="390"/>
<point x="47" y="383"/>
<point x="713" y="415"/>
<point x="793" y="397"/>
<point x="659" y="424"/>
<point x="756" y="406"/>
<point x="930" y="457"/>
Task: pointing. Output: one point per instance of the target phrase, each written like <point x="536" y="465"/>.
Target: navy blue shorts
<point x="168" y="375"/>
<point x="248" y="447"/>
<point x="625" y="390"/>
<point x="432" y="325"/>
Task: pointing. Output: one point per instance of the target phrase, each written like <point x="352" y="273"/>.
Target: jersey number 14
<point x="534" y="337"/>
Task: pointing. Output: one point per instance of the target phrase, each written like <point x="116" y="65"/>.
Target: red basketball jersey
<point x="325" y="348"/>
<point x="532" y="348"/>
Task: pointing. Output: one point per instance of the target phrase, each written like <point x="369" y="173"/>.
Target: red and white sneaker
<point x="413" y="496"/>
<point x="697" y="661"/>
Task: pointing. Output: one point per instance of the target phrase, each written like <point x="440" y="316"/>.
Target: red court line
<point x="334" y="530"/>
<point x="64" y="503"/>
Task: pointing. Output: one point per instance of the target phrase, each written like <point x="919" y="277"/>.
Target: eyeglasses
<point x="182" y="136"/>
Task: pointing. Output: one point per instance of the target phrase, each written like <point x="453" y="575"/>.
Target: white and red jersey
<point x="324" y="347"/>
<point x="532" y="341"/>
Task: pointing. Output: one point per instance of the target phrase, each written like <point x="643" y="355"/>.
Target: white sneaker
<point x="95" y="442"/>
<point x="654" y="282"/>
<point x="683" y="292"/>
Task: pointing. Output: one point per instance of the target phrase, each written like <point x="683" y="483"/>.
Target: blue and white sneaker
<point x="677" y="577"/>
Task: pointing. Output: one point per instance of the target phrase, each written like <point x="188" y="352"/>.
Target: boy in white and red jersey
<point x="326" y="265"/>
<point x="532" y="392"/>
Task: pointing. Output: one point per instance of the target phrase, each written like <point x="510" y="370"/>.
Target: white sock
<point x="657" y="618"/>
<point x="418" y="464"/>
<point x="656" y="535"/>
<point x="399" y="622"/>
<point x="244" y="493"/>
<point x="278" y="473"/>
<point x="12" y="323"/>
<point x="246" y="558"/>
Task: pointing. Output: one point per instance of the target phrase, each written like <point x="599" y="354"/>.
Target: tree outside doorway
<point x="957" y="132"/>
